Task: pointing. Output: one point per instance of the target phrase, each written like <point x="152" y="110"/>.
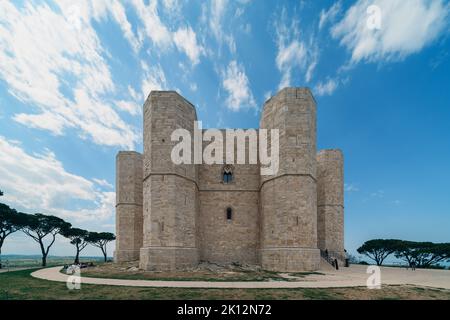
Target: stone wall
<point x="288" y="199"/>
<point x="170" y="190"/>
<point x="330" y="200"/>
<point x="129" y="216"/>
<point x="177" y="214"/>
<point x="222" y="240"/>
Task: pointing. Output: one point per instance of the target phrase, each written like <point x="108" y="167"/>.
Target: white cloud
<point x="217" y="10"/>
<point x="378" y="194"/>
<point x="236" y="83"/>
<point x="193" y="87"/>
<point x="136" y="96"/>
<point x="39" y="183"/>
<point x="173" y="7"/>
<point x="329" y="15"/>
<point x="186" y="40"/>
<point x="406" y="28"/>
<point x="103" y="183"/>
<point x="154" y="79"/>
<point x="350" y="187"/>
<point x="153" y="27"/>
<point x="45" y="120"/>
<point x="294" y="51"/>
<point x="129" y="106"/>
<point x="215" y="16"/>
<point x="38" y="48"/>
<point x="326" y="88"/>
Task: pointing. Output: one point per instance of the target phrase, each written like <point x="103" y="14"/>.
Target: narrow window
<point x="227" y="174"/>
<point x="229" y="213"/>
<point x="227" y="177"/>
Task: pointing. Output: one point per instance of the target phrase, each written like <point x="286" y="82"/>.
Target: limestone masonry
<point x="172" y="216"/>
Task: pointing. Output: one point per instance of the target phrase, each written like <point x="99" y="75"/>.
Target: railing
<point x="331" y="256"/>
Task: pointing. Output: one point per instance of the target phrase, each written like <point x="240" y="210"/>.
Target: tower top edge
<point x="289" y="92"/>
<point x="128" y="153"/>
<point x="169" y="93"/>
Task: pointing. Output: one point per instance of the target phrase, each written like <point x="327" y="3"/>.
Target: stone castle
<point x="172" y="216"/>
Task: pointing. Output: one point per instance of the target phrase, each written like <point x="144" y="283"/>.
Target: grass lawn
<point x="20" y="285"/>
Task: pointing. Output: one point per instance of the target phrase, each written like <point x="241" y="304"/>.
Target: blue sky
<point x="74" y="76"/>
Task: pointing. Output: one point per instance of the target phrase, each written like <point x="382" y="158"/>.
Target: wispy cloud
<point x="406" y="28"/>
<point x="378" y="194"/>
<point x="154" y="79"/>
<point x="216" y="13"/>
<point x="327" y="16"/>
<point x="295" y="52"/>
<point x="186" y="40"/>
<point x="350" y="187"/>
<point x="38" y="47"/>
<point x="153" y="27"/>
<point x="103" y="183"/>
<point x="40" y="183"/>
<point x="236" y="83"/>
<point x="326" y="88"/>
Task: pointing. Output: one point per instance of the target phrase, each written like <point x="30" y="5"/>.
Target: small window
<point x="227" y="174"/>
<point x="227" y="177"/>
<point x="229" y="213"/>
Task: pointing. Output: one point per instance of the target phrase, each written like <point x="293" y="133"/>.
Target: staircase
<point x="331" y="256"/>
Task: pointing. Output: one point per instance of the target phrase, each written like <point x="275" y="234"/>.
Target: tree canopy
<point x="379" y="249"/>
<point x="100" y="240"/>
<point x="78" y="237"/>
<point x="38" y="226"/>
<point x="44" y="228"/>
<point x="422" y="254"/>
<point x="418" y="254"/>
<point x="10" y="222"/>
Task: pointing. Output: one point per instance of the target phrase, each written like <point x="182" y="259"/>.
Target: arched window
<point x="227" y="174"/>
<point x="229" y="213"/>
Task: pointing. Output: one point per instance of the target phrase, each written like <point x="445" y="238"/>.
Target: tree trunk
<point x="77" y="257"/>
<point x="44" y="253"/>
<point x="105" y="255"/>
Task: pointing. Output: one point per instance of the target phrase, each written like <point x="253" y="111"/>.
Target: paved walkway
<point x="355" y="276"/>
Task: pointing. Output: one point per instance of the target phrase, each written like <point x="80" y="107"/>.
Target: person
<point x="336" y="264"/>
<point x="413" y="266"/>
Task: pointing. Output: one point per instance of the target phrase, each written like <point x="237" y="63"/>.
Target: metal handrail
<point x="329" y="256"/>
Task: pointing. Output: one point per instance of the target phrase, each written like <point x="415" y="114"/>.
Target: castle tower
<point x="129" y="172"/>
<point x="288" y="235"/>
<point x="330" y="202"/>
<point x="170" y="190"/>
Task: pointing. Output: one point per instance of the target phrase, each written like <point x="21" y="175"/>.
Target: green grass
<point x="20" y="285"/>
